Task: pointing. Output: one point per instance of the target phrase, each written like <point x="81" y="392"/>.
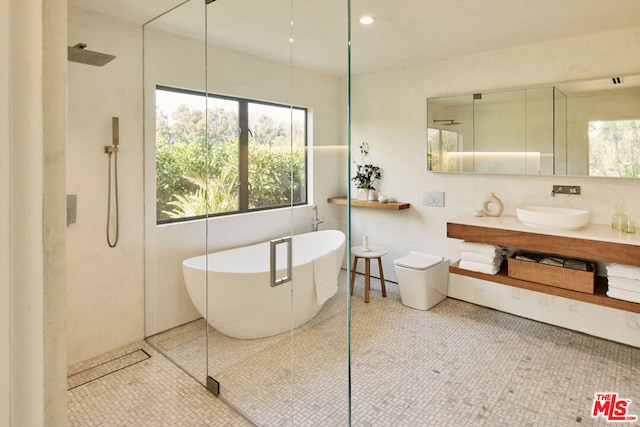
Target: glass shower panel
<point x="320" y="73"/>
<point x="175" y="148"/>
<point x="279" y="354"/>
<point x="246" y="138"/>
<point x="249" y="352"/>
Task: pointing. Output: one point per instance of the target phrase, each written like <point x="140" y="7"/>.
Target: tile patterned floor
<point x="458" y="364"/>
<point x="152" y="392"/>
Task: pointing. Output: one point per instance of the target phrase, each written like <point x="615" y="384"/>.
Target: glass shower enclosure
<point x="246" y="138"/>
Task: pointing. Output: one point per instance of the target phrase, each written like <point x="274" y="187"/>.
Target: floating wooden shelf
<point x="598" y="298"/>
<point x="578" y="247"/>
<point x="394" y="206"/>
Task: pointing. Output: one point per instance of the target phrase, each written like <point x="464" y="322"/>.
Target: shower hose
<point x="115" y="187"/>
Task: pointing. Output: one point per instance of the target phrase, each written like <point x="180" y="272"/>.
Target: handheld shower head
<point x="115" y="130"/>
<point x="115" y="125"/>
<point x="79" y="54"/>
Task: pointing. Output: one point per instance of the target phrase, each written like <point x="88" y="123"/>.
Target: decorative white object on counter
<point x="365" y="244"/>
<point x="373" y="195"/>
<point x="382" y="198"/>
<point x="492" y="205"/>
<point x="477" y="208"/>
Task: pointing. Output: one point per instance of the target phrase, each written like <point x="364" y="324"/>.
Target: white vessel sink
<point x="557" y="218"/>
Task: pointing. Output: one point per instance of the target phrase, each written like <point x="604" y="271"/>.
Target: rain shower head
<point x="79" y="54"/>
<point x="447" y="122"/>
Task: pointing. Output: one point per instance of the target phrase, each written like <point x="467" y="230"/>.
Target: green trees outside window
<point x="614" y="148"/>
<point x="239" y="156"/>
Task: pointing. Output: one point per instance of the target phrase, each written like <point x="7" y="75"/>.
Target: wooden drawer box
<point x="560" y="277"/>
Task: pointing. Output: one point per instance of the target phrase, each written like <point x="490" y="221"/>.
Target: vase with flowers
<point x="366" y="174"/>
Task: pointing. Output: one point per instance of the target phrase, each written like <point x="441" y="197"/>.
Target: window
<point x="241" y="156"/>
<point x="614" y="148"/>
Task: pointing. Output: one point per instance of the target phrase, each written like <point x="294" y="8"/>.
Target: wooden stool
<point x="374" y="253"/>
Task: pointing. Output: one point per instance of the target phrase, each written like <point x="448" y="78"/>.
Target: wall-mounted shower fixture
<point x="79" y="54"/>
<point x="112" y="150"/>
<point x="447" y="122"/>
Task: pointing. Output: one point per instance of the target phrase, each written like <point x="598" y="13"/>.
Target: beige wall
<point x="105" y="287"/>
<point x="32" y="123"/>
<point x="5" y="222"/>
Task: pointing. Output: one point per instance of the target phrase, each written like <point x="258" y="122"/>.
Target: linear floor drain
<point x="106" y="368"/>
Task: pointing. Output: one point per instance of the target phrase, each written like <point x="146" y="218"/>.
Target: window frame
<point x="243" y="155"/>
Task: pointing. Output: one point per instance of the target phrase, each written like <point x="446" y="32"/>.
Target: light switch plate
<point x="433" y="198"/>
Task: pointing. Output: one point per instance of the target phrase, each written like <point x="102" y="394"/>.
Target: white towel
<point x="623" y="295"/>
<point x="624" y="283"/>
<point x="479" y="267"/>
<point x="494" y="260"/>
<point x="483" y="248"/>
<point x="622" y="270"/>
<point x="325" y="273"/>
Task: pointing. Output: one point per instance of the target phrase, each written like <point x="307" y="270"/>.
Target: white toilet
<point x="423" y="279"/>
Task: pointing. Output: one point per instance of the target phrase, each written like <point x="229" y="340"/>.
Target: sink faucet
<point x="565" y="189"/>
<point x="315" y="221"/>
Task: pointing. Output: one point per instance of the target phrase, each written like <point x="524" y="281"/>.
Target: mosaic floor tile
<point x="96" y="372"/>
<point x="457" y="364"/>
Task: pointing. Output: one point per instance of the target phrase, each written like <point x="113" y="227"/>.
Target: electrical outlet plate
<point x="433" y="198"/>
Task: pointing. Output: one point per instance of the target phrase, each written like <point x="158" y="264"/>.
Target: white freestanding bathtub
<point x="241" y="302"/>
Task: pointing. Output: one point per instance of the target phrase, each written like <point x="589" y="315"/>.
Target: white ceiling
<point x="406" y="32"/>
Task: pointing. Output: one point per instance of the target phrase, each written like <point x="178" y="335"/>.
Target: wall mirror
<point x="584" y="128"/>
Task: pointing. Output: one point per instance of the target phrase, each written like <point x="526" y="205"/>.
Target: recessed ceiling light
<point x="367" y="20"/>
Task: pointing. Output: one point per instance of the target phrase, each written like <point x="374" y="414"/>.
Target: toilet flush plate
<point x="433" y="198"/>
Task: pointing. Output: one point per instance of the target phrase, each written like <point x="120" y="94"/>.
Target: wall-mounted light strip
<point x="498" y="154"/>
